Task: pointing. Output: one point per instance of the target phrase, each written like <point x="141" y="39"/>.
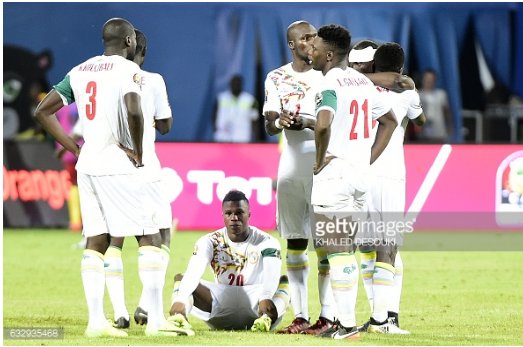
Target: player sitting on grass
<point x="248" y="291"/>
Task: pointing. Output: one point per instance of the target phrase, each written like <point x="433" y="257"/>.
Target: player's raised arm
<point x="392" y="80"/>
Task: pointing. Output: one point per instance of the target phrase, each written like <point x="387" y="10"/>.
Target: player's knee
<point x="297" y="244"/>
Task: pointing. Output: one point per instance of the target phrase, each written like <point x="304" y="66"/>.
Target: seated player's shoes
<point x="297" y="326"/>
<point x="365" y="327"/>
<point x="151" y="332"/>
<point x="140" y="316"/>
<point x="262" y="324"/>
<point x="346" y="333"/>
<point x="121" y="323"/>
<point x="181" y="325"/>
<point x="318" y="328"/>
<point x="107" y="331"/>
<point x="386" y="328"/>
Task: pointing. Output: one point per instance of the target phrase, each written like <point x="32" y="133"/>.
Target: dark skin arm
<point x="135" y="120"/>
<point x="322" y="134"/>
<point x="163" y="125"/>
<point x="386" y="126"/>
<point x="392" y="80"/>
<point x="286" y="119"/>
<point x="45" y="115"/>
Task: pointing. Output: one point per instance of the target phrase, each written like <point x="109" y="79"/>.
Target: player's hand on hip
<point x="318" y="167"/>
<point x="133" y="157"/>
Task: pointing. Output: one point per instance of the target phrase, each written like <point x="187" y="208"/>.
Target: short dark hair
<point x="235" y="195"/>
<point x="364" y="44"/>
<point x="141" y="42"/>
<point x="337" y="37"/>
<point x="389" y="57"/>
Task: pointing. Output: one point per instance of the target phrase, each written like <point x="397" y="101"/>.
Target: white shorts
<point x="334" y="188"/>
<point x="233" y="307"/>
<point x="113" y="204"/>
<point x="387" y="195"/>
<point x="158" y="205"/>
<point x="294" y="207"/>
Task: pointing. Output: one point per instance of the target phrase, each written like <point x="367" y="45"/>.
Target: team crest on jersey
<point x="253" y="257"/>
<point x="138" y="79"/>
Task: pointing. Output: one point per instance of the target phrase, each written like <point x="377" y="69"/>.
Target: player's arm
<point x="271" y="257"/>
<point x="386" y="126"/>
<point x="327" y="105"/>
<point x="392" y="80"/>
<point x="163" y="125"/>
<point x="195" y="269"/>
<point x="135" y="121"/>
<point x="275" y="122"/>
<point x="45" y="114"/>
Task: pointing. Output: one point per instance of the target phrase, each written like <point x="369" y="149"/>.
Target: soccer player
<point x="248" y="291"/>
<point x="289" y="108"/>
<point x="345" y="108"/>
<point x="106" y="89"/>
<point x="157" y="116"/>
<point x="383" y="271"/>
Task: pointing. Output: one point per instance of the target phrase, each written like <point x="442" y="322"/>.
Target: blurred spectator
<point x="236" y="114"/>
<point x="68" y="118"/>
<point x="438" y="128"/>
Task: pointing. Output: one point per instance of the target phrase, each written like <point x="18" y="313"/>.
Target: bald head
<point x="296" y="28"/>
<point x="116" y="29"/>
<point x="119" y="38"/>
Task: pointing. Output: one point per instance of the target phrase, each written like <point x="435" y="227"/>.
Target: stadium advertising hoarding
<point x="449" y="187"/>
<point x="36" y="186"/>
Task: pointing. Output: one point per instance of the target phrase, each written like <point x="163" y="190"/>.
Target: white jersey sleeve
<point x="380" y="102"/>
<point x="201" y="258"/>
<point x="163" y="108"/>
<point x="415" y="108"/>
<point x="272" y="100"/>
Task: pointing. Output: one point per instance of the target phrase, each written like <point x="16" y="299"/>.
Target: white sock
<point x="344" y="281"/>
<point x="368" y="259"/>
<point x="165" y="252"/>
<point x="328" y="309"/>
<point x="281" y="298"/>
<point x="93" y="278"/>
<point x="151" y="275"/>
<point x="114" y="281"/>
<point x="382" y="283"/>
<point x="298" y="273"/>
<point x="395" y="297"/>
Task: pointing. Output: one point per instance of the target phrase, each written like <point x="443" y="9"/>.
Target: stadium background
<point x="197" y="47"/>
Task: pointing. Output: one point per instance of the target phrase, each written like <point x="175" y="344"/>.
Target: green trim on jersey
<point x="64" y="88"/>
<point x="271" y="252"/>
<point x="328" y="98"/>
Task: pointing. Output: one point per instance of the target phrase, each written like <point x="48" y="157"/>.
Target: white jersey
<point x="98" y="86"/>
<point x="237" y="263"/>
<point x="391" y="162"/>
<point x="285" y="89"/>
<point x="355" y="102"/>
<point x="155" y="105"/>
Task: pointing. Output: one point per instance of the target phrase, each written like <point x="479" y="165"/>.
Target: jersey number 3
<point x="90" y="107"/>
<point x="354" y="111"/>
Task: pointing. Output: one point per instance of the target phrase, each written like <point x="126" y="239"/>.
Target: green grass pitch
<point x="449" y="297"/>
